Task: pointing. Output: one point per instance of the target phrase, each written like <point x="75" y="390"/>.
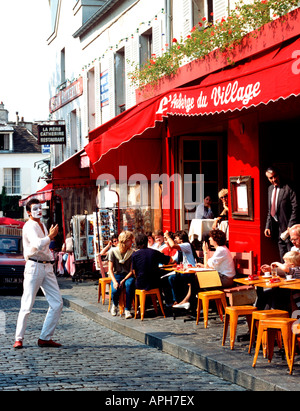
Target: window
<point x="12" y="180"/>
<point x="62" y="66"/>
<point x="146" y="46"/>
<point x="201" y="156"/>
<point x="201" y="8"/>
<point x="4" y="141"/>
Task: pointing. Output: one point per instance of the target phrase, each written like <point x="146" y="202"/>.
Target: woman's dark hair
<point x="218" y="236"/>
<point x="141" y="241"/>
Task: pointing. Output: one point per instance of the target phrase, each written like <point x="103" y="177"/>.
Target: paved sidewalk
<point x="189" y="342"/>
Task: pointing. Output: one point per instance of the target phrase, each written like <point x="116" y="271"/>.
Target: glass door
<point x="201" y="168"/>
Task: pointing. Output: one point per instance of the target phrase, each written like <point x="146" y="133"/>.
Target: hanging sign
<point x="66" y="95"/>
<point x="51" y="134"/>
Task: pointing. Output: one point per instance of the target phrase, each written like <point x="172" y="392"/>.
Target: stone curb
<point x="232" y="366"/>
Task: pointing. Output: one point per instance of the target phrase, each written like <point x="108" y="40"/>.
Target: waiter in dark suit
<point x="282" y="209"/>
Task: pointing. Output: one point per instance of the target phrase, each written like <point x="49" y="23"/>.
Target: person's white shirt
<point x="36" y="242"/>
<point x="222" y="261"/>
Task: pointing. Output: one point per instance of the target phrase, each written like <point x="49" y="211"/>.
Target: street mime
<point x="38" y="273"/>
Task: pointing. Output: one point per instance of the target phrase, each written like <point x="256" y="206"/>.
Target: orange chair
<point x="263" y="315"/>
<point x="231" y="316"/>
<point x="210" y="279"/>
<point x="296" y="332"/>
<point x="271" y="326"/>
<point x="154" y="293"/>
<point x="102" y="288"/>
<point x="203" y="300"/>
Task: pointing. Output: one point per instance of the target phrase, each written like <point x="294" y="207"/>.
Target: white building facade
<point x="93" y="47"/>
<point x="21" y="159"/>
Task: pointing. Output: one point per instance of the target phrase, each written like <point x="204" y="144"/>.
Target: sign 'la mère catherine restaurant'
<point x="228" y="123"/>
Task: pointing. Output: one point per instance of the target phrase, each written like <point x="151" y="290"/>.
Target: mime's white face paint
<point x="36" y="211"/>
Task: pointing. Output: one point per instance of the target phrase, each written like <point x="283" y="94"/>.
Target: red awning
<point x="11" y="222"/>
<point x="269" y="76"/>
<point x="73" y="172"/>
<point x="42" y="195"/>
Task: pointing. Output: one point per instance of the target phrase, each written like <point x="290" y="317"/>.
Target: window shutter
<point x="131" y="59"/>
<point x="85" y="130"/>
<point x="97" y="95"/>
<point x="111" y="80"/>
<point x="220" y="9"/>
<point x="187" y="18"/>
<point x="157" y="35"/>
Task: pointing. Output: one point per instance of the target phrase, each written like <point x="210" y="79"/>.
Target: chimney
<point x="17" y="118"/>
<point x="3" y="113"/>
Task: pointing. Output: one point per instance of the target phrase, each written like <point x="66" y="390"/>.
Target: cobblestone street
<point x="92" y="358"/>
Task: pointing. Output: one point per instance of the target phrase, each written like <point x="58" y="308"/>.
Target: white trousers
<point x="38" y="275"/>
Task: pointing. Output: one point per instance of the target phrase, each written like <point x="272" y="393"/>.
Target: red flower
<point x="203" y="18"/>
<point x="188" y="37"/>
<point x="193" y="29"/>
<point x="174" y="40"/>
<point x="264" y="1"/>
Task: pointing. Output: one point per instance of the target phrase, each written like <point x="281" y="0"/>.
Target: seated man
<point x="204" y="211"/>
<point x="145" y="264"/>
<point x="159" y="243"/>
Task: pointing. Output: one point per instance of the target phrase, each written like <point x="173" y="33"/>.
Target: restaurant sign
<point x="66" y="95"/>
<point x="51" y="134"/>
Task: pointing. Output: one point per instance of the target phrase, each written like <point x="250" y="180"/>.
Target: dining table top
<point x="264" y="282"/>
<point x="189" y="270"/>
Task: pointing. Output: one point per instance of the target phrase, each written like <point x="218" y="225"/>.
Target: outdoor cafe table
<point x="264" y="282"/>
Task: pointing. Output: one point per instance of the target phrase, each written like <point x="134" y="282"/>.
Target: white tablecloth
<point x="202" y="227"/>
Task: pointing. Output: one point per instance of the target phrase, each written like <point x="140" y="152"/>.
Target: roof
<point x="24" y="141"/>
<point x="108" y="4"/>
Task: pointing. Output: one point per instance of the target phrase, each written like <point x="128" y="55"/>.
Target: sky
<point x="24" y="29"/>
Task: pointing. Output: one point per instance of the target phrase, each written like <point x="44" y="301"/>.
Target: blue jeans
<point x="129" y="290"/>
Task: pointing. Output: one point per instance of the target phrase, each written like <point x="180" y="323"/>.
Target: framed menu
<point x="241" y="191"/>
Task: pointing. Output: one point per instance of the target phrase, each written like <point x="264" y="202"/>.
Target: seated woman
<point x="204" y="211"/>
<point x="119" y="269"/>
<point x="151" y="240"/>
<point x="223" y="196"/>
<point x="183" y="286"/>
<point x="222" y="260"/>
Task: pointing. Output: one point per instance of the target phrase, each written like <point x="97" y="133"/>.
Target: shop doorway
<point x="278" y="149"/>
<point x="201" y="162"/>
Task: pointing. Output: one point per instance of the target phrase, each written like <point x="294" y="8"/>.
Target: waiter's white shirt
<point x="36" y="242"/>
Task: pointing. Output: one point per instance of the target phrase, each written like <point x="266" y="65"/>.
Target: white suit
<point x="38" y="274"/>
